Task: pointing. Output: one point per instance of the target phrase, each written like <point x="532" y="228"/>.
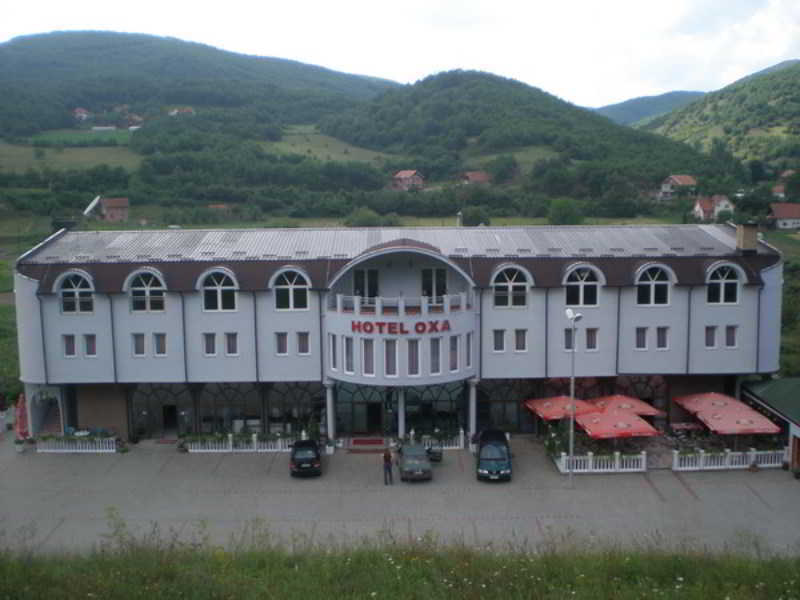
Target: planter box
<point x="728" y="460"/>
<point x="239" y="445"/>
<point x="613" y="463"/>
<point x="71" y="446"/>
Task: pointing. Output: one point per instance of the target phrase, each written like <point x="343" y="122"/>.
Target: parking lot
<point x="52" y="502"/>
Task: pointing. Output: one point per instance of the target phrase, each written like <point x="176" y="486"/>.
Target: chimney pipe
<point x="459" y="219"/>
<point x="747" y="238"/>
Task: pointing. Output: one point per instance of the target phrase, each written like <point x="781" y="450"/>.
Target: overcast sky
<point x="589" y="52"/>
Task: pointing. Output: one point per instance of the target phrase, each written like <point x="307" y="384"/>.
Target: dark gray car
<point x="414" y="464"/>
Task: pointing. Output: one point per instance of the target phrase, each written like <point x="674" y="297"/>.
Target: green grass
<point x="9" y="361"/>
<point x="17" y="157"/>
<point x="787" y="242"/>
<point x="71" y="136"/>
<point x="526" y="157"/>
<point x="305" y="139"/>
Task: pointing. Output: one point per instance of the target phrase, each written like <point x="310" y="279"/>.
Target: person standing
<point x="387" y="467"/>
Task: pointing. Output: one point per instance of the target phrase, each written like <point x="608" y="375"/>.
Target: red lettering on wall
<point x="433" y="326"/>
<point x="445" y="325"/>
<point x="393" y="330"/>
<point x="403" y="329"/>
<point x="419" y="327"/>
<point x="356" y="326"/>
<point x="380" y="325"/>
<point x="368" y="327"/>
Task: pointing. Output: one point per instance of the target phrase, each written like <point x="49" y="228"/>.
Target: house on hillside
<point x="779" y="191"/>
<point x="182" y="110"/>
<point x="114" y="209"/>
<point x="677" y="184"/>
<point x="785" y="215"/>
<point x="81" y="114"/>
<point x="472" y="177"/>
<point x="407" y="180"/>
<point x="708" y="208"/>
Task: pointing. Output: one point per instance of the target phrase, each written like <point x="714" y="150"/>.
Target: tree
<point x="564" y="211"/>
<point x="475" y="215"/>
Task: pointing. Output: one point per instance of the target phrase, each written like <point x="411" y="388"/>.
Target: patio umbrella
<point x="627" y="404"/>
<point x="738" y="422"/>
<point x="711" y="401"/>
<point x="21" y="418"/>
<point x="615" y="424"/>
<point x="558" y="407"/>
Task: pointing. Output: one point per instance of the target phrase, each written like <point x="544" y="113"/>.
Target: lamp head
<point x="572" y="315"/>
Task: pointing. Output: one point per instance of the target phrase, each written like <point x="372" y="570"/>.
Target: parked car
<point x="494" y="456"/>
<point x="305" y="458"/>
<point x="414" y="464"/>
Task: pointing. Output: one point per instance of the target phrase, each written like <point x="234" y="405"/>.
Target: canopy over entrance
<point x="725" y="415"/>
<point x="626" y="404"/>
<point x="615" y="424"/>
<point x="558" y="407"/>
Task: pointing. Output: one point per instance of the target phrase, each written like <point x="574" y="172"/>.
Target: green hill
<point x="632" y="111"/>
<point x="44" y="77"/>
<point x="757" y="117"/>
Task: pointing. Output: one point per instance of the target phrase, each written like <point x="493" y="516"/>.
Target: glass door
<point x="365" y="284"/>
<point x="434" y="285"/>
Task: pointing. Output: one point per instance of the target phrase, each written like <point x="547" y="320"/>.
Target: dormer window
<point x="77" y="294"/>
<point x="291" y="291"/>
<point x="147" y="293"/>
<point x="510" y="288"/>
<point x="652" y="287"/>
<point x="723" y="286"/>
<point x="582" y="286"/>
<point x="219" y="292"/>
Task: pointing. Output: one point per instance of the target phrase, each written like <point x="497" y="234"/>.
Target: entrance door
<point x="170" y="414"/>
<point x="434" y="285"/>
<point x="365" y="284"/>
<point x="375" y="417"/>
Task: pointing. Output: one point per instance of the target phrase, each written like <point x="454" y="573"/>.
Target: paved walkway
<point x="52" y="502"/>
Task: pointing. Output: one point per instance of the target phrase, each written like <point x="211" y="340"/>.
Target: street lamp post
<point x="573" y="318"/>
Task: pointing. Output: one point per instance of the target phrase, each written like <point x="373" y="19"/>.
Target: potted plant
<point x="19" y="445"/>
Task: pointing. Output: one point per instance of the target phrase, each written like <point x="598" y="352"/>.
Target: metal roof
<point x="189" y="245"/>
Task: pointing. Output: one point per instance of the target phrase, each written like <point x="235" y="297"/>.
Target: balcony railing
<point x="402" y="305"/>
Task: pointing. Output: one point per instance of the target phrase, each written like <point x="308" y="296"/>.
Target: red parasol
<point x="627" y="404"/>
<point x="21" y="418"/>
<point x="558" y="407"/>
<point x="711" y="401"/>
<point x="615" y="424"/>
<point x="738" y="422"/>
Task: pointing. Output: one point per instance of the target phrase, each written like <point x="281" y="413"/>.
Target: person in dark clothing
<point x="387" y="467"/>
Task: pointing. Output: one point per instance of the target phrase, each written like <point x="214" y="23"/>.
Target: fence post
<point x="412" y="434"/>
<point x="255" y="442"/>
<point x="644" y="460"/>
<point x="230" y="442"/>
<point x="727" y="457"/>
<point x="591" y="461"/>
<point x="303" y="435"/>
<point x="751" y="457"/>
<point x="564" y="468"/>
<point x="702" y="458"/>
<point x="617" y="461"/>
<point x="675" y="456"/>
<point x="461" y="439"/>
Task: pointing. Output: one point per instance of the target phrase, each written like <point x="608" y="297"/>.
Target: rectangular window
<point x="390" y="356"/>
<point x="90" y="344"/>
<point x="521" y="340"/>
<point x="662" y="338"/>
<point x="711" y="336"/>
<point x="454" y="353"/>
<point x="69" y="345"/>
<point x="138" y="344"/>
<point x="209" y="344"/>
<point x="641" y="338"/>
<point x="231" y="344"/>
<point x="730" y="336"/>
<point x="160" y="344"/>
<point x="281" y="343"/>
<point x="349" y="364"/>
<point x="591" y="338"/>
<point x="413" y="357"/>
<point x="499" y="340"/>
<point x="334" y="361"/>
<point x="436" y="359"/>
<point x="303" y="342"/>
<point x="468" y="351"/>
<point x="568" y="341"/>
<point x="368" y="356"/>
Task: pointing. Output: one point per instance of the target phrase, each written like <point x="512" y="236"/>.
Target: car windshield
<point x="493" y="452"/>
<point x="304" y="454"/>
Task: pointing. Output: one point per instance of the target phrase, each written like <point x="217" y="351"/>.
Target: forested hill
<point x="44" y="77"/>
<point x="758" y="117"/>
<point x="632" y="111"/>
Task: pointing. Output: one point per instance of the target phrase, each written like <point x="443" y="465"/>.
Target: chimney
<point x="747" y="238"/>
<point x="459" y="219"/>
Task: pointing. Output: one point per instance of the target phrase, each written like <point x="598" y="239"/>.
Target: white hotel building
<point x="154" y="333"/>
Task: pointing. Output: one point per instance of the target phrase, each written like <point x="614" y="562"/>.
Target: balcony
<point x="400" y="306"/>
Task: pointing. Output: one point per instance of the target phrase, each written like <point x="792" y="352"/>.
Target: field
<point x="15" y="157"/>
<point x="82" y="136"/>
<point x="305" y="139"/>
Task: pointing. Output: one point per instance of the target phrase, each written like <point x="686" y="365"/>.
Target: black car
<point x="305" y="458"/>
<point x="494" y="456"/>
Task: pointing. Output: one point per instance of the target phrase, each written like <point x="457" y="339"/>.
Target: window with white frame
<point x="520" y="340"/>
<point x="210" y="344"/>
<point x="454" y="353"/>
<point x="413" y="357"/>
<point x="390" y="357"/>
<point x="591" y="338"/>
<point x="219" y="292"/>
<point x="436" y="357"/>
<point x="69" y="345"/>
<point x="138" y="344"/>
<point x="77" y="294"/>
<point x="334" y="351"/>
<point x="662" y="338"/>
<point x="510" y="288"/>
<point x="160" y="344"/>
<point x="303" y="342"/>
<point x="652" y="287"/>
<point x="499" y="340"/>
<point x="281" y="343"/>
<point x="468" y="351"/>
<point x="291" y="291"/>
<point x="147" y="293"/>
<point x="90" y="344"/>
<point x="569" y="341"/>
<point x="367" y="356"/>
<point x="434" y="285"/>
<point x="711" y="336"/>
<point x="730" y="335"/>
<point x="349" y="360"/>
<point x="232" y="344"/>
<point x="641" y="338"/>
<point x="582" y="287"/>
<point x="723" y="286"/>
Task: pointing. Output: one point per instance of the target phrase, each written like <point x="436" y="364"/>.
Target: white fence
<point x="607" y="463"/>
<point x="719" y="461"/>
<point x="72" y="446"/>
<point x="251" y="444"/>
<point x="457" y="442"/>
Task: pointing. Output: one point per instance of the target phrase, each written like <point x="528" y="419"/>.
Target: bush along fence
<point x="602" y="463"/>
<point x="79" y="445"/>
<point x="727" y="459"/>
<point x="233" y="442"/>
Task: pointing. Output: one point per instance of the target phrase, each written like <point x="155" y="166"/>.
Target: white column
<point x="473" y="407"/>
<point x="329" y="411"/>
<point x="401" y="412"/>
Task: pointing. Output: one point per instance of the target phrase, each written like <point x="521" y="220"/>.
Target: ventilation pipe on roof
<point x="459" y="219"/>
<point x="747" y="238"/>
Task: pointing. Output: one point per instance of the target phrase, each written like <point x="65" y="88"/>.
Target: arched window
<point x="219" y="292"/>
<point x="582" y="285"/>
<point x="147" y="293"/>
<point x="291" y="291"/>
<point x="510" y="288"/>
<point x="652" y="287"/>
<point x="723" y="286"/>
<point x="77" y="294"/>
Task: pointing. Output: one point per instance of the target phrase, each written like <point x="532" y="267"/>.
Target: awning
<point x="558" y="407"/>
<point x="738" y="422"/>
<point x="615" y="424"/>
<point x="627" y="404"/>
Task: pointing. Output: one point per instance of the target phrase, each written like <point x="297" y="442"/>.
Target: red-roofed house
<point x="407" y="180"/>
<point x="787" y="173"/>
<point x="779" y="191"/>
<point x="114" y="209"/>
<point x="81" y="114"/>
<point x="786" y="215"/>
<point x="707" y="208"/>
<point x="675" y="184"/>
<point x="469" y="177"/>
